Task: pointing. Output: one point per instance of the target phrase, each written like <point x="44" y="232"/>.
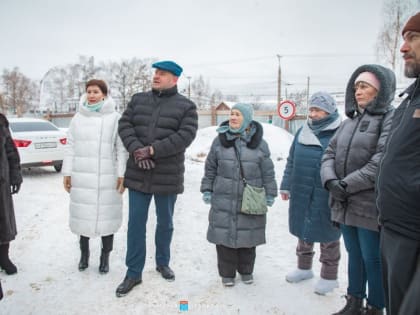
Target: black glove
<point x="14" y="188"/>
<point x="147" y="164"/>
<point x="337" y="189"/>
<point x="142" y="154"/>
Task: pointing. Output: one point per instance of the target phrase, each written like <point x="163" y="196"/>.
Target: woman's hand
<point x="120" y="185"/>
<point x="67" y="183"/>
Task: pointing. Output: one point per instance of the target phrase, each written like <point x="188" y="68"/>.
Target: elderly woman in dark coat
<point x="236" y="234"/>
<point x="348" y="171"/>
<point x="309" y="212"/>
<point x="10" y="181"/>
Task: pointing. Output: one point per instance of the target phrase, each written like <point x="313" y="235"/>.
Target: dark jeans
<point x="136" y="234"/>
<point x="401" y="273"/>
<point x="230" y="260"/>
<point x="364" y="264"/>
<point x="107" y="243"/>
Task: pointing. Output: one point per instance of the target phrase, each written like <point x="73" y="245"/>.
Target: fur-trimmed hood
<point x="255" y="139"/>
<point x="382" y="103"/>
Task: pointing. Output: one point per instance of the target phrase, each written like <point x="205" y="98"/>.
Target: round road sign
<point x="286" y="109"/>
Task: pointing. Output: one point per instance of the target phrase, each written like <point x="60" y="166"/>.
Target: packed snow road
<point x="47" y="253"/>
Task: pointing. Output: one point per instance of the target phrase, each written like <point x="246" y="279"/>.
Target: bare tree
<point x="19" y="91"/>
<point x="128" y="77"/>
<point x="3" y="108"/>
<point x="200" y="92"/>
<point x="216" y="98"/>
<point x="395" y="14"/>
<point x="299" y="98"/>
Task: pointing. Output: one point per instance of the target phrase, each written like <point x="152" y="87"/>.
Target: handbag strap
<point x="240" y="164"/>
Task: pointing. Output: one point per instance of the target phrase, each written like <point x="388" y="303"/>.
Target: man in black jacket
<point x="156" y="128"/>
<point x="398" y="190"/>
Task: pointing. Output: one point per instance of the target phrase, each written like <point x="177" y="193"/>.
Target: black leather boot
<point x="126" y="286"/>
<point x="84" y="250"/>
<point x="107" y="245"/>
<point x="353" y="306"/>
<point x="104" y="262"/>
<point x="5" y="262"/>
<point x="372" y="310"/>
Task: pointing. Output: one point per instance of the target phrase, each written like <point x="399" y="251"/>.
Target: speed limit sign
<point x="286" y="109"/>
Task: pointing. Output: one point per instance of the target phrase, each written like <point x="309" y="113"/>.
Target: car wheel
<point x="58" y="167"/>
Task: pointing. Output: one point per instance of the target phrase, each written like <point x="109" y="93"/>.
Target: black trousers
<point x="230" y="260"/>
<point x="107" y="243"/>
<point x="401" y="273"/>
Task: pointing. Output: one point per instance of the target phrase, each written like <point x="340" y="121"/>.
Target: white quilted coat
<point x="95" y="158"/>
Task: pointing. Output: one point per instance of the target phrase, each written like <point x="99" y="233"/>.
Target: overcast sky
<point x="232" y="43"/>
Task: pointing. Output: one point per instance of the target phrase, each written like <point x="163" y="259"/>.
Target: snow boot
<point x="5" y="262"/>
<point x="247" y="279"/>
<point x="84" y="250"/>
<point x="353" y="306"/>
<point x="228" y="282"/>
<point x="324" y="286"/>
<point x="104" y="262"/>
<point x="299" y="275"/>
<point x="372" y="310"/>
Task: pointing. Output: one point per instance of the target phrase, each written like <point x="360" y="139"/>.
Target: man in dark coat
<point x="156" y="128"/>
<point x="398" y="189"/>
<point x="10" y="181"/>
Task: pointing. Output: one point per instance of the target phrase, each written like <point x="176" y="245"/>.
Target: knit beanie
<point x="369" y="78"/>
<point x="413" y="24"/>
<point x="248" y="114"/>
<point x="324" y="101"/>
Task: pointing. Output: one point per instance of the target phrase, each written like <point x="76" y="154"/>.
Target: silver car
<point x="39" y="142"/>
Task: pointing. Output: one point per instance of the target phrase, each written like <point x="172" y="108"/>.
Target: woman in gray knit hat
<point x="309" y="213"/>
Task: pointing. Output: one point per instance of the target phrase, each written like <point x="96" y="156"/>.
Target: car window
<point x="32" y="126"/>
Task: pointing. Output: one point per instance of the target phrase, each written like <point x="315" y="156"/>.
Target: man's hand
<point x="67" y="183"/>
<point x="142" y="154"/>
<point x="337" y="189"/>
<point x="147" y="164"/>
<point x="120" y="185"/>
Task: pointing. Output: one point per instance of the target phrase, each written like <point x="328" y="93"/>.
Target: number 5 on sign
<point x="286" y="110"/>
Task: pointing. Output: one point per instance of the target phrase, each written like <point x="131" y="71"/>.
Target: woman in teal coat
<point x="309" y="213"/>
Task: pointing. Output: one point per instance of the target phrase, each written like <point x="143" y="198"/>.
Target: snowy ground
<point x="47" y="254"/>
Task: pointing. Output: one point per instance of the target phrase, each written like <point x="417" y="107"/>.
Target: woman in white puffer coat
<point x="93" y="170"/>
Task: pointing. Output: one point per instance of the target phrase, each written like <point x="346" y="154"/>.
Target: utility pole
<point x="189" y="87"/>
<point x="307" y="96"/>
<point x="279" y="82"/>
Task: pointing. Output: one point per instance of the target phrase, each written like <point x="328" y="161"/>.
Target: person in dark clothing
<point x="10" y="181"/>
<point x="348" y="171"/>
<point x="156" y="128"/>
<point x="239" y="147"/>
<point x="309" y="212"/>
<point x="398" y="189"/>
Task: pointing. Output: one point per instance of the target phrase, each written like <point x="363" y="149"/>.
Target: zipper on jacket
<point x="99" y="174"/>
<point x="349" y="144"/>
<point x="345" y="162"/>
<point x="387" y="145"/>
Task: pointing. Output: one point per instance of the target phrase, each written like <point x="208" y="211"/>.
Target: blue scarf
<point x="318" y="125"/>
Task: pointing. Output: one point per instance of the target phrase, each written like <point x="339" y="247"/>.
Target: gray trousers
<point x="330" y="257"/>
<point x="400" y="273"/>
